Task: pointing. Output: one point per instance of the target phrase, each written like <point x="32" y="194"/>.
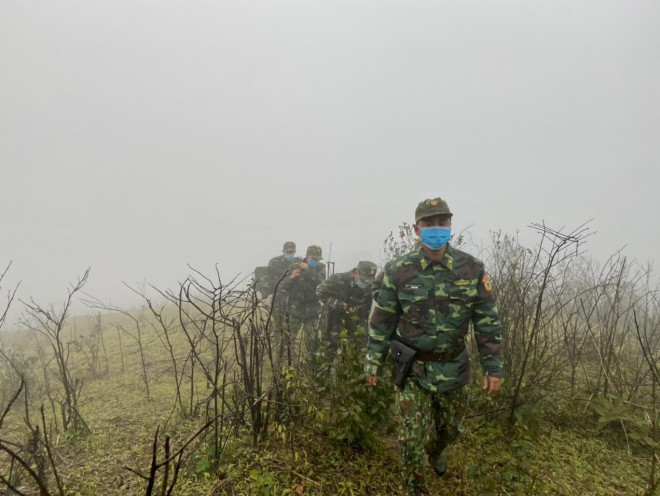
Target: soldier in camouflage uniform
<point x="302" y="306"/>
<point x="427" y="300"/>
<point x="277" y="267"/>
<point x="346" y="299"/>
<point x="273" y="294"/>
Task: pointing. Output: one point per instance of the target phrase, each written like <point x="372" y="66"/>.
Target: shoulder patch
<point x="488" y="284"/>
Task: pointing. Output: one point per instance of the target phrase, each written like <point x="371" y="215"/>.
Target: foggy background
<point x="137" y="137"/>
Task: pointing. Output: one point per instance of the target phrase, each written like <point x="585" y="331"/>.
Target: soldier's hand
<point x="303" y="265"/>
<point x="372" y="380"/>
<point x="492" y="384"/>
<point x="345" y="306"/>
<point x="296" y="273"/>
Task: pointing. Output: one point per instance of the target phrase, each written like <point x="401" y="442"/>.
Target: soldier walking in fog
<point x="273" y="295"/>
<point x="277" y="267"/>
<point x="346" y="299"/>
<point x="427" y="300"/>
<point x="302" y="305"/>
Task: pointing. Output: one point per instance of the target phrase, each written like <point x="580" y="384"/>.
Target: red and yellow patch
<point x="488" y="283"/>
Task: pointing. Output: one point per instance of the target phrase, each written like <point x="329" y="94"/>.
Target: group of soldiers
<point x="418" y="310"/>
<point x="301" y="296"/>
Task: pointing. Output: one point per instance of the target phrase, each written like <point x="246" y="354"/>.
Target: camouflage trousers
<point x="287" y="347"/>
<point x="429" y="422"/>
<point x="310" y="337"/>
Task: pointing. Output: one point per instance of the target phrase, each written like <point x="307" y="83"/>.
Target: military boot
<point x="439" y="462"/>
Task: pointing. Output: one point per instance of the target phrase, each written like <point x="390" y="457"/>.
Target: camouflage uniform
<point x="429" y="305"/>
<point x="418" y="412"/>
<point x="269" y="285"/>
<point x="277" y="267"/>
<point x="375" y="286"/>
<point x="302" y="306"/>
<point x="345" y="304"/>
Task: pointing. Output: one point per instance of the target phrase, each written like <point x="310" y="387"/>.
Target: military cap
<point x="429" y="208"/>
<point x="367" y="271"/>
<point x="315" y="252"/>
<point x="289" y="246"/>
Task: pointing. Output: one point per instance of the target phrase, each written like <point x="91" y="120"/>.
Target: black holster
<point x="403" y="359"/>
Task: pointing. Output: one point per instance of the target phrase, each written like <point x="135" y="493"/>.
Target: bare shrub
<point x="50" y="324"/>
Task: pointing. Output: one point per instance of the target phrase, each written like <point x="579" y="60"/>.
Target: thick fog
<point x="137" y="137"/>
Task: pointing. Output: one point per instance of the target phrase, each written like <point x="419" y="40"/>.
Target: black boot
<point x="439" y="463"/>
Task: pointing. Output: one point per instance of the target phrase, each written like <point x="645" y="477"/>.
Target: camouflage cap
<point x="315" y="252"/>
<point x="289" y="246"/>
<point x="367" y="271"/>
<point x="429" y="208"/>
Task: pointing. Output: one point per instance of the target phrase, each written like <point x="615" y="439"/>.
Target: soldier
<point x="427" y="299"/>
<point x="302" y="305"/>
<point x="277" y="266"/>
<point x="346" y="300"/>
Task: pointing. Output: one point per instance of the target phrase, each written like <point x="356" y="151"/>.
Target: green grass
<point x="563" y="453"/>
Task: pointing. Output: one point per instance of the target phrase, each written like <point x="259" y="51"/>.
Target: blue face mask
<point x="361" y="284"/>
<point x="435" y="238"/>
<point x="289" y="256"/>
<point x="312" y="263"/>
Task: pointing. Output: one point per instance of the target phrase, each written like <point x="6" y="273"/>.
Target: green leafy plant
<point x="359" y="411"/>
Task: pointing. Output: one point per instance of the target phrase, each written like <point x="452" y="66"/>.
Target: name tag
<point x="462" y="282"/>
<point x="412" y="286"/>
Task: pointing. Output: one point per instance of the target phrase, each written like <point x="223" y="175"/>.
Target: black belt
<point x="430" y="356"/>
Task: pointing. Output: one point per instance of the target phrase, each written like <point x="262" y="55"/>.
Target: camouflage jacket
<point x="340" y="289"/>
<point x="429" y="305"/>
<point x="300" y="292"/>
<point x="375" y="286"/>
<point x="276" y="269"/>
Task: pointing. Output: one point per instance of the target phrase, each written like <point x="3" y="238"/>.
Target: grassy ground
<point x="554" y="460"/>
<point x="562" y="454"/>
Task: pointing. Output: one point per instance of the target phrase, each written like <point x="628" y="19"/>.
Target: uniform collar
<point x="446" y="261"/>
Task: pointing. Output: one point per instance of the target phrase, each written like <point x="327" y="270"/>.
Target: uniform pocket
<point x="417" y="318"/>
<point x="415" y="305"/>
<point x="460" y="304"/>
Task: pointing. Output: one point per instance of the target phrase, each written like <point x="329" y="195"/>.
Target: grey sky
<point x="139" y="136"/>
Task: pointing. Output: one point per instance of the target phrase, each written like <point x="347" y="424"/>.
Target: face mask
<point x="361" y="284"/>
<point x="312" y="263"/>
<point x="435" y="238"/>
<point x="289" y="256"/>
